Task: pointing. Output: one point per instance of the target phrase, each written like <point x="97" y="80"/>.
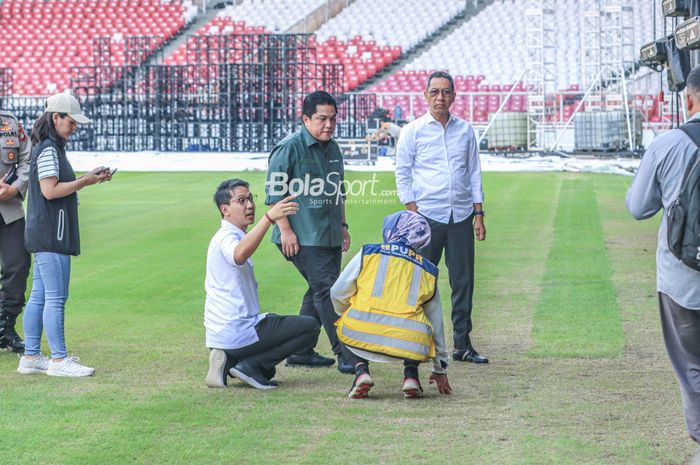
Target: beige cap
<point x="66" y="103"/>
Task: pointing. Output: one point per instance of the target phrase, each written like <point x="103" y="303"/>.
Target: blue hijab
<point x="407" y="227"/>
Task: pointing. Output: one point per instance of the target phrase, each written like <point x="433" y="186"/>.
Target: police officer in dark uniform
<point x="15" y="149"/>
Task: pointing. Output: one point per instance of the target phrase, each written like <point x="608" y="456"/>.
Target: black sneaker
<point x="310" y="359"/>
<point x="269" y="373"/>
<point x="252" y="377"/>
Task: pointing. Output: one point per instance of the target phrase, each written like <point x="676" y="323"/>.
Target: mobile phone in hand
<point x="107" y="169"/>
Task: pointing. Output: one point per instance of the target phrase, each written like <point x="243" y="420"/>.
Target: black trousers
<point x="14" y="266"/>
<point x="681" y="328"/>
<point x="278" y="338"/>
<point x="320" y="267"/>
<point x="457" y="240"/>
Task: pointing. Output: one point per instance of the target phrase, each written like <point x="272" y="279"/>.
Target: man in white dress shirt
<point x="438" y="174"/>
<point x="244" y="342"/>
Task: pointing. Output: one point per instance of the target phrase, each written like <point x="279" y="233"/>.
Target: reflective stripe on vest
<point x="386" y="334"/>
<point x="388" y="320"/>
<point x="415" y="286"/>
<point x="383" y="341"/>
<point x="381" y="276"/>
<point x="380" y="279"/>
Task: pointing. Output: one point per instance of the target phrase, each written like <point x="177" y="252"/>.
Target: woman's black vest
<point x="52" y="225"/>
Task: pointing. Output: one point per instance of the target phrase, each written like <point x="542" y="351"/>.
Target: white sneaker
<point x="28" y="366"/>
<point x="70" y="367"/>
<point x="216" y="377"/>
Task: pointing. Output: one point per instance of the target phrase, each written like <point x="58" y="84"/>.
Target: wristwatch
<point x="479" y="213"/>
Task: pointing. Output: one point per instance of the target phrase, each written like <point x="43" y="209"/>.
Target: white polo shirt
<point x="231" y="308"/>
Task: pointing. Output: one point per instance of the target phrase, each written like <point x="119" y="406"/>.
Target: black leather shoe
<point x="311" y="359"/>
<point x="469" y="355"/>
<point x="252" y="377"/>
<point x="345" y="367"/>
<point x="9" y="339"/>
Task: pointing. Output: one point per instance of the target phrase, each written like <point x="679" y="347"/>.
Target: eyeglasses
<point x="243" y="199"/>
<point x="444" y="92"/>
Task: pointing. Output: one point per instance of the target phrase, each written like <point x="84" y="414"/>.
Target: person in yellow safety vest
<point x="390" y="307"/>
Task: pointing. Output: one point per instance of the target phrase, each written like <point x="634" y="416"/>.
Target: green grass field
<point x="565" y="308"/>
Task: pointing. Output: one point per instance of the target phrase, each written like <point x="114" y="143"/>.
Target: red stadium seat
<point x="58" y="34"/>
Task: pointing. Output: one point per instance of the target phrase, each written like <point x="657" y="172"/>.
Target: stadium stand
<point x="44" y="38"/>
<point x="499" y="53"/>
<point x="401" y="23"/>
<point x="368" y="35"/>
<point x="47" y="37"/>
<point x="252" y="16"/>
<point x="273" y="15"/>
<point x="493" y="55"/>
<point x="365" y="37"/>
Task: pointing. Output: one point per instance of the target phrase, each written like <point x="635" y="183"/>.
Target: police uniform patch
<point x="10" y="142"/>
<point x="21" y="134"/>
<point x="11" y="155"/>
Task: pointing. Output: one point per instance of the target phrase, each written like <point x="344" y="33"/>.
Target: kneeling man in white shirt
<point x="244" y="342"/>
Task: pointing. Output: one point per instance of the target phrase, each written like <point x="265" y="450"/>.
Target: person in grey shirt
<point x="655" y="186"/>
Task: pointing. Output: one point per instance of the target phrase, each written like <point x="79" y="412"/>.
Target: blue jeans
<point x="46" y="306"/>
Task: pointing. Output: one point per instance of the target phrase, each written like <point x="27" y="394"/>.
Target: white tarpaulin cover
<point x="216" y="161"/>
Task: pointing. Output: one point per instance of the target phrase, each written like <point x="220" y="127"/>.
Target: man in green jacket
<point x="309" y="165"/>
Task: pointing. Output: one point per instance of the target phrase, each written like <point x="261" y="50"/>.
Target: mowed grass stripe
<point x="577" y="315"/>
<point x="509" y="267"/>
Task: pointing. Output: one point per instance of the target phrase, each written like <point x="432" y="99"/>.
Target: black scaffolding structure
<point x="25" y="109"/>
<point x="236" y="92"/>
<point x="138" y="49"/>
<point x="353" y="112"/>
